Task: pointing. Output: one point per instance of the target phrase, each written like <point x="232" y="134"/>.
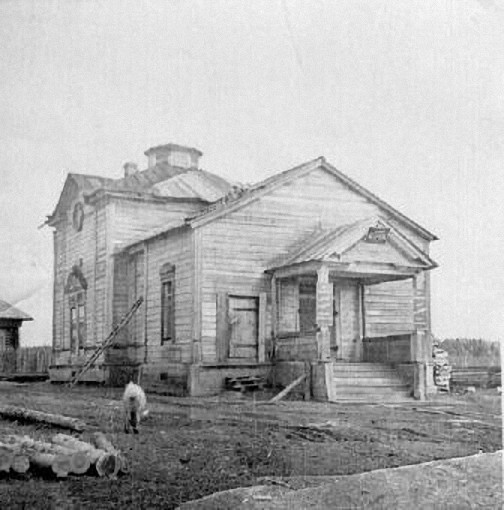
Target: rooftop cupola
<point x="173" y="155"/>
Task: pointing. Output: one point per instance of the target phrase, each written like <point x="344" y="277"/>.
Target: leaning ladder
<point x="107" y="342"/>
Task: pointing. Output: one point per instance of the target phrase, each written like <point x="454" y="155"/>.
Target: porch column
<point x="324" y="313"/>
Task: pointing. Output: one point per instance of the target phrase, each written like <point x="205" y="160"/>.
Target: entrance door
<point x="346" y="329"/>
<point x="244" y="325"/>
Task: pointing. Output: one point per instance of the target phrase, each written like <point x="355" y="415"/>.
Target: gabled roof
<point x="7" y="311"/>
<point x="326" y="245"/>
<point x="247" y="196"/>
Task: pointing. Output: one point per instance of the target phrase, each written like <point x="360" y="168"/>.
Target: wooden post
<point x="274" y="306"/>
<point x="360" y="349"/>
<point x="324" y="313"/>
<point x="145" y="294"/>
<point x="261" y="347"/>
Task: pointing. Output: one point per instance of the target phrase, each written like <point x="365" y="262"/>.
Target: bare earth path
<point x="467" y="482"/>
<point x="190" y="448"/>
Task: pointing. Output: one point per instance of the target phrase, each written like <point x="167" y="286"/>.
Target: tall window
<point x="75" y="290"/>
<point x="77" y="303"/>
<point x="81" y="330"/>
<point x="73" y="328"/>
<point x="167" y="275"/>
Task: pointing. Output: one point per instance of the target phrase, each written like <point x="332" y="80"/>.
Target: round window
<point x="78" y="216"/>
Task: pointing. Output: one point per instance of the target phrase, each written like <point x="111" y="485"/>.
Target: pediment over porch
<point x="371" y="250"/>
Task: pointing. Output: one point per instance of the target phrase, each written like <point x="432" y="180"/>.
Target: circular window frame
<point x="78" y="216"/>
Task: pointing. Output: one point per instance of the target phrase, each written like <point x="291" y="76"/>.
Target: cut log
<point x="80" y="462"/>
<point x="61" y="465"/>
<point x="29" y="415"/>
<point x="6" y="457"/>
<point x="106" y="464"/>
<point x="286" y="390"/>
<point x="61" y="455"/>
<point x="77" y="445"/>
<point x="42" y="460"/>
<point x="20" y="463"/>
<point x="102" y="443"/>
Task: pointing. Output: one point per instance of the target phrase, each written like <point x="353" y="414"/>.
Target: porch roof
<point x="395" y="258"/>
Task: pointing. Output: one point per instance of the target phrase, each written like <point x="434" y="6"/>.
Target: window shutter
<point x="222" y="327"/>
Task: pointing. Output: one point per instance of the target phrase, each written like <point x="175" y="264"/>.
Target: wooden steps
<point x="244" y="383"/>
<point x="368" y="383"/>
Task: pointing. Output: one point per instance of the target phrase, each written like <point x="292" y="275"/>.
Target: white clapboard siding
<point x="389" y="308"/>
<point x="88" y="249"/>
<point x="134" y="221"/>
<point x="176" y="249"/>
<point x="238" y="247"/>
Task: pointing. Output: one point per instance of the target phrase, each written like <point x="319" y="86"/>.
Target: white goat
<point x="135" y="404"/>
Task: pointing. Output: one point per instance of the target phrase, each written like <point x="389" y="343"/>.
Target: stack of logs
<point x="442" y="370"/>
<point x="62" y="456"/>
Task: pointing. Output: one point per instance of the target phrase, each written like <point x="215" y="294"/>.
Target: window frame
<point x="168" y="313"/>
<point x="78" y="320"/>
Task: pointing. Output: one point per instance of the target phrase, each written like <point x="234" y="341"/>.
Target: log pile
<point x="442" y="370"/>
<point x="62" y="456"/>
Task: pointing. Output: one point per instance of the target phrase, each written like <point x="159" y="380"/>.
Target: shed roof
<point x="7" y="311"/>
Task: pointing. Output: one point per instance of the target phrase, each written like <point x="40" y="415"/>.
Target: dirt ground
<point x="192" y="447"/>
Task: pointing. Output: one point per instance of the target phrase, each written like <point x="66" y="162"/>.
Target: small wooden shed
<point x="11" y="319"/>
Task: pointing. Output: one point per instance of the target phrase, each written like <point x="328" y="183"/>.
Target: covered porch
<point x="353" y="295"/>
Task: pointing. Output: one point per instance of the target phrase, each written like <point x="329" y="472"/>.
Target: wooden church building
<point x="306" y="271"/>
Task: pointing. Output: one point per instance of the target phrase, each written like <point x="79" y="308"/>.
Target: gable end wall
<point x="239" y="246"/>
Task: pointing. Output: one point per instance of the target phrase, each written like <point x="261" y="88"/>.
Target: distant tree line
<point x="471" y="352"/>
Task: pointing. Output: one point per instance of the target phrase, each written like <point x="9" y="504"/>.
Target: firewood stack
<point x="442" y="370"/>
<point x="62" y="456"/>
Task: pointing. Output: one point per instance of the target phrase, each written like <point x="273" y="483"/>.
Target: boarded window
<point x="167" y="275"/>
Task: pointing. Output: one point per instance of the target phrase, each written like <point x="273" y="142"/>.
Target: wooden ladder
<point x="106" y="343"/>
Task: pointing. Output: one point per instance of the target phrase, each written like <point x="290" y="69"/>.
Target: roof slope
<point x="327" y="244"/>
<point x="162" y="180"/>
<point x="193" y="184"/>
<point x="7" y="311"/>
<point x="242" y="198"/>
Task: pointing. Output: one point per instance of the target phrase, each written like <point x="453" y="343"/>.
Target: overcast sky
<point x="406" y="97"/>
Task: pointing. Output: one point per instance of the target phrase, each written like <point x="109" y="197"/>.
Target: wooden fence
<point x="26" y="360"/>
<point x="486" y="377"/>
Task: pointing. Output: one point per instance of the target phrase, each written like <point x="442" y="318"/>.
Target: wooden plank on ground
<point x="287" y="390"/>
